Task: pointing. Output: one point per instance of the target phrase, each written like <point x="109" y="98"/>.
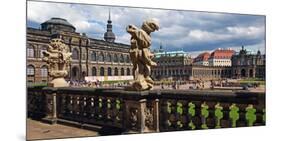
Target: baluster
<point x="179" y="114"/>
<point x="234" y="114"/>
<point x="169" y="111"/>
<point x="164" y="114"/>
<point x="218" y="114"/>
<point x="109" y="111"/>
<point x="250" y="115"/>
<point x="77" y="106"/>
<point x="92" y="107"/>
<point x="118" y="108"/>
<point x="70" y="105"/>
<point x="100" y="106"/>
<point x="191" y="114"/>
<point x="88" y="112"/>
<point x="173" y="118"/>
<point x="84" y="105"/>
<point x="62" y="104"/>
<point x="204" y="115"/>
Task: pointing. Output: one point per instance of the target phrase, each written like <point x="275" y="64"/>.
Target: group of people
<point x="182" y="85"/>
<point x="96" y="84"/>
<point x="74" y="83"/>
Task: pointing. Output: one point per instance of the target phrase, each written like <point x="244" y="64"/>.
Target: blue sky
<point x="193" y="32"/>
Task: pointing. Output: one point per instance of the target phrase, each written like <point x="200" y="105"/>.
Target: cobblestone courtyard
<point x="39" y="130"/>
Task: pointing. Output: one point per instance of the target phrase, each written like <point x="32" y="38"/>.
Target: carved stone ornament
<point x="133" y="117"/>
<point x="149" y="118"/>
<point x="58" y="59"/>
<point x="140" y="54"/>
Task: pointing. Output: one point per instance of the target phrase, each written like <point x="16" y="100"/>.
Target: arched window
<point x="109" y="73"/>
<point x="101" y="57"/>
<point x="30" y="70"/>
<point x="122" y="71"/>
<point x="127" y="58"/>
<point x="30" y="52"/>
<point x="116" y="72"/>
<point x="115" y="58"/>
<point x="128" y="71"/>
<point x="94" y="71"/>
<point x="102" y="71"/>
<point x="75" y="54"/>
<point x="122" y="58"/>
<point x="44" y="71"/>
<point x="93" y="56"/>
<point x="109" y="58"/>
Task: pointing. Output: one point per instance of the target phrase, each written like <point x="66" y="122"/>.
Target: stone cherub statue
<point x="58" y="59"/>
<point x="140" y="54"/>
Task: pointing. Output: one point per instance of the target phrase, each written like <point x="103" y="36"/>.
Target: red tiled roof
<point x="222" y="54"/>
<point x="202" y="57"/>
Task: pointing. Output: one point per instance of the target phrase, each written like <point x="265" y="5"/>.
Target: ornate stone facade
<point x="90" y="57"/>
<point x="244" y="65"/>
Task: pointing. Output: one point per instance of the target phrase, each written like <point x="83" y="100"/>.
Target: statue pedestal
<point x="58" y="82"/>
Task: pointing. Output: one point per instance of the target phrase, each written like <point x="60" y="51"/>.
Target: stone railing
<point x="147" y="111"/>
<point x="189" y="110"/>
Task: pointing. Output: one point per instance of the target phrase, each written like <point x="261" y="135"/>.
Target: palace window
<point x="128" y="71"/>
<point x="30" y="52"/>
<point x="93" y="56"/>
<point x="44" y="71"/>
<point x="116" y="72"/>
<point x="94" y="71"/>
<point x="109" y="58"/>
<point x="122" y="72"/>
<point x="102" y="71"/>
<point x="109" y="73"/>
<point x="101" y="57"/>
<point x="30" y="70"/>
<point x="115" y="58"/>
<point x="122" y="60"/>
<point x="127" y="59"/>
<point x="75" y="54"/>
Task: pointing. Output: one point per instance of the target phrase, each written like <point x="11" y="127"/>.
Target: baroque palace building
<point x="178" y="65"/>
<point x="90" y="57"/>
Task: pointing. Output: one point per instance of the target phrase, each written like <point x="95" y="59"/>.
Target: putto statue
<point x="140" y="54"/>
<point x="58" y="59"/>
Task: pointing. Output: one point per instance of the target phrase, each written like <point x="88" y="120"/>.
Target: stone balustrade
<point x="147" y="111"/>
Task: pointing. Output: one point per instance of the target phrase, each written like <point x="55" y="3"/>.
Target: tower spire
<point x="109" y="35"/>
<point x="109" y="18"/>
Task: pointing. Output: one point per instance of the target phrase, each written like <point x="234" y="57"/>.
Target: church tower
<point x="109" y="36"/>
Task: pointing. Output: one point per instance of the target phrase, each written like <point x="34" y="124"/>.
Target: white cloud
<point x="125" y="38"/>
<point x="40" y="12"/>
<point x="178" y="29"/>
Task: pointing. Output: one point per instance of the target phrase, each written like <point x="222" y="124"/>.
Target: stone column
<point x="254" y="72"/>
<point x="51" y="106"/>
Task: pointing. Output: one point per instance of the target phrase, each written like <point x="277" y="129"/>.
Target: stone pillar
<point x="141" y="115"/>
<point x="51" y="107"/>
